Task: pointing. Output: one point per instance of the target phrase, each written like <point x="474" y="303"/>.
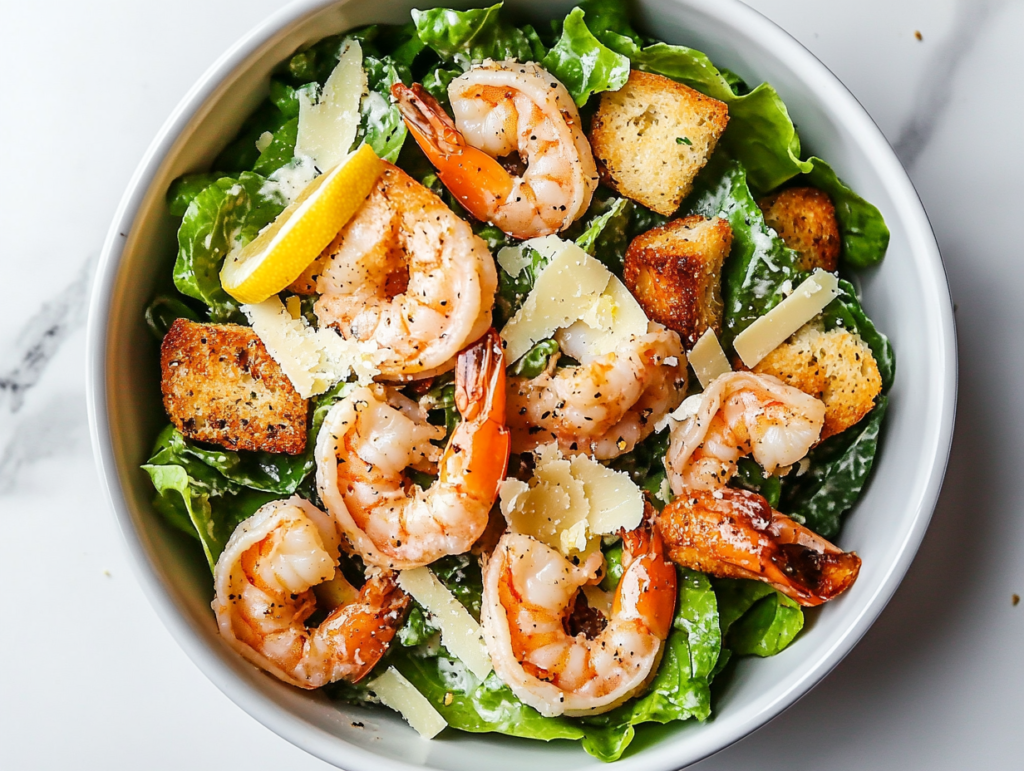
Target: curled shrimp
<point x="605" y="406"/>
<point x="506" y="109"/>
<point x="368" y="440"/>
<point x="264" y="580"/>
<point x="408" y="274"/>
<point x="741" y="413"/>
<point x="736" y="534"/>
<point x="530" y="591"/>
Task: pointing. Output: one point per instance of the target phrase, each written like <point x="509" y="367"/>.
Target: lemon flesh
<point x="286" y="247"/>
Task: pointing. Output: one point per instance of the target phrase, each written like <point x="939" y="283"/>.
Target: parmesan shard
<point x="399" y="694"/>
<point x="313" y="359"/>
<point x="566" y="288"/>
<point x="614" y="316"/>
<point x="615" y="501"/>
<point x="513" y="259"/>
<point x="775" y="327"/>
<point x="460" y="633"/>
<point x="327" y="129"/>
<point x="570" y="503"/>
<point x="708" y="359"/>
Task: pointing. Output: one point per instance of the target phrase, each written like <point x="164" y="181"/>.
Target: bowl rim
<point x="664" y="755"/>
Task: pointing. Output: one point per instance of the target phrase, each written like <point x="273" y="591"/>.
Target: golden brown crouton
<point x="652" y="136"/>
<point x="805" y="219"/>
<point x="674" y="271"/>
<point x="835" y="366"/>
<point x="220" y="385"/>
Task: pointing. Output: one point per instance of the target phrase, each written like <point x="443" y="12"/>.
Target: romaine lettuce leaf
<point x="464" y="37"/>
<point x="163" y="311"/>
<point x="861" y="226"/>
<point x="582" y="63"/>
<point x="241" y="154"/>
<point x="190" y="491"/>
<point x="227" y="214"/>
<point x="280" y="151"/>
<point x="381" y="125"/>
<point x="755" y="619"/>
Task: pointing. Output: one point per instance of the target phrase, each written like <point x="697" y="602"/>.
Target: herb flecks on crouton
<point x="652" y="137"/>
<point x="805" y="219"/>
<point x="220" y="385"/>
<point x="674" y="271"/>
<point x="835" y="366"/>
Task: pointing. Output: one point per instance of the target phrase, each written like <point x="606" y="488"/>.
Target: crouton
<point x="674" y="271"/>
<point x="220" y="385"/>
<point x="652" y="136"/>
<point x="835" y="366"/>
<point x="805" y="219"/>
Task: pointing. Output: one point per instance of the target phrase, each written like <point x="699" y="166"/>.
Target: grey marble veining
<point x="944" y="63"/>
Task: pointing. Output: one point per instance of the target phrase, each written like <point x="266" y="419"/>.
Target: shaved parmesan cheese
<point x="460" y="633"/>
<point x="313" y="359"/>
<point x="569" y="504"/>
<point x="327" y="129"/>
<point x="564" y="291"/>
<point x="554" y="501"/>
<point x="771" y="330"/>
<point x="708" y="359"/>
<point x="396" y="692"/>
<point x="512" y="260"/>
<point x="615" y="502"/>
<point x="615" y="316"/>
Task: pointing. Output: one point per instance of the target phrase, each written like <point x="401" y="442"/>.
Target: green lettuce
<point x="163" y="311"/>
<point x="280" y="151"/>
<point x="582" y="63"/>
<point x="755" y="619"/>
<point x="862" y="228"/>
<point x="227" y="214"/>
<point x="196" y="498"/>
<point x="464" y="37"/>
<point x="381" y="125"/>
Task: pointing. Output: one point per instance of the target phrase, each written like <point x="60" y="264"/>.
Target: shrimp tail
<point x="479" y="448"/>
<point x="645" y="546"/>
<point x="365" y="627"/>
<point x="736" y="534"/>
<point x="477" y="180"/>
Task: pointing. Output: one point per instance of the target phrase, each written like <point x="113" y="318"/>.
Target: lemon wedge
<point x="287" y="246"/>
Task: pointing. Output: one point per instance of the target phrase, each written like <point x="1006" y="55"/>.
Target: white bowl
<point x="907" y="297"/>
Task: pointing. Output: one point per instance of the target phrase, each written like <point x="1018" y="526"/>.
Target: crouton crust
<point x="805" y="219"/>
<point x="652" y="137"/>
<point x="835" y="366"/>
<point x="220" y="385"/>
<point x="674" y="271"/>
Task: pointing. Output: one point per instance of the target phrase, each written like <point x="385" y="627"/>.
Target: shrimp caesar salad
<point x="515" y="377"/>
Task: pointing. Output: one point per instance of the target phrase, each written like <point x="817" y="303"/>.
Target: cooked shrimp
<point x="408" y="274"/>
<point x="507" y="109"/>
<point x="263" y="581"/>
<point x="736" y="534"/>
<point x="605" y="406"/>
<point x="374" y="434"/>
<point x="741" y="413"/>
<point x="530" y="591"/>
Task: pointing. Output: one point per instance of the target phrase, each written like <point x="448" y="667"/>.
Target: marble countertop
<point x="91" y="678"/>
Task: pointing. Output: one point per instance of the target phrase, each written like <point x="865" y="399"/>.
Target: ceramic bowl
<point x="907" y="297"/>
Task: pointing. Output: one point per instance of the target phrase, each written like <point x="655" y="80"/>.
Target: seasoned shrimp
<point x="374" y="434"/>
<point x="507" y="109"/>
<point x="605" y="406"/>
<point x="530" y="591"/>
<point x="408" y="274"/>
<point x="263" y="583"/>
<point x="741" y="413"/>
<point x="736" y="534"/>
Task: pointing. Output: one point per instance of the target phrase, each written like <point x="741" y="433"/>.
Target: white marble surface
<point x="89" y="677"/>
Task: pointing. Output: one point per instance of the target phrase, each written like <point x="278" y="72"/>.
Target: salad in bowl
<point x="515" y="375"/>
